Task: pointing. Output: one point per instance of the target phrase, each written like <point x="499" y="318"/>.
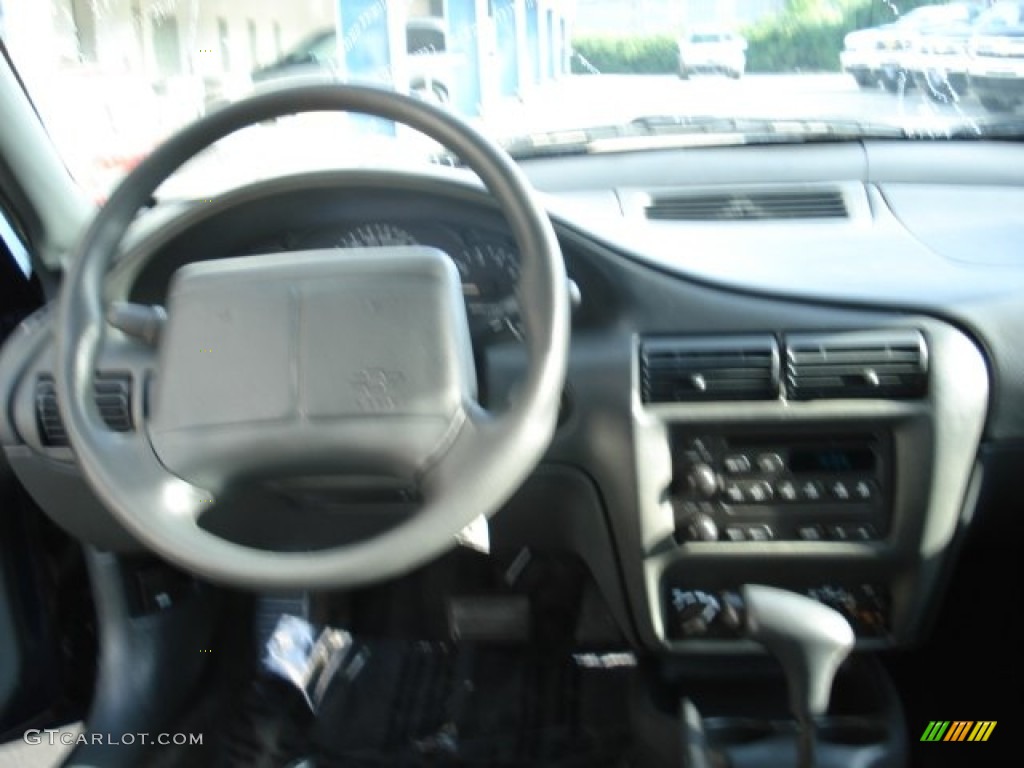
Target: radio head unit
<point x="780" y="486"/>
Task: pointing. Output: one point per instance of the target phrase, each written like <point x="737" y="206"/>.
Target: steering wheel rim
<point x="485" y="462"/>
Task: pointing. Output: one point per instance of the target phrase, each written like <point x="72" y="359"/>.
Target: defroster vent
<point x="708" y="369"/>
<point x="739" y="206"/>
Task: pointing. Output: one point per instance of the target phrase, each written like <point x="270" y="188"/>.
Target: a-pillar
<point x="34" y="40"/>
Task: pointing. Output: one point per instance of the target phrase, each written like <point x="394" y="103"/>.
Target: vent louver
<point x="737" y="206"/>
<point x="113" y="397"/>
<point x="709" y="369"/>
<point x="870" y="364"/>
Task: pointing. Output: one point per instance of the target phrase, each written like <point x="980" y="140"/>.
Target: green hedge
<point x="624" y="55"/>
<point x="795" y="47"/>
<point x="806" y="37"/>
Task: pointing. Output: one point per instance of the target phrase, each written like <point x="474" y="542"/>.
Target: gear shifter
<point x="810" y="640"/>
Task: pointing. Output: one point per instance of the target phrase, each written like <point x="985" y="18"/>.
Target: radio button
<point x="840" y="532"/>
<point x="864" y="490"/>
<point x="770" y="463"/>
<point x="839" y="491"/>
<point x="760" y="492"/>
<point x="809" y="533"/>
<point x="734" y="493"/>
<point x="812" y="490"/>
<point x="759" y="533"/>
<point x="862" y="532"/>
<point x="684" y="508"/>
<point x="736" y="464"/>
<point x="852" y="532"/>
<point x="786" y="490"/>
<point x="734" y="533"/>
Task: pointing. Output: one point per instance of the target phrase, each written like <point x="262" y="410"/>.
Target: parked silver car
<point x="996" y="58"/>
<point x="712" y="50"/>
<point x="937" y="61"/>
<point x="877" y="56"/>
<point x="430" y="71"/>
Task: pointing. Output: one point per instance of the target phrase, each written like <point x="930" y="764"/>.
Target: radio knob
<point x="703" y="480"/>
<point x="700" y="527"/>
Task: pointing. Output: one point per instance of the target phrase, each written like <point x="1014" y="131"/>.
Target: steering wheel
<point x="349" y="362"/>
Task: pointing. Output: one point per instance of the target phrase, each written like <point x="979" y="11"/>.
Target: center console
<point x="834" y="465"/>
<point x="765" y="485"/>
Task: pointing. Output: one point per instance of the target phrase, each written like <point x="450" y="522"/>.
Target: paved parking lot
<point x="604" y="99"/>
<point x="319" y="141"/>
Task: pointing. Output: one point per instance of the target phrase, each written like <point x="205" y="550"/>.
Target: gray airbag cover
<point x="357" y="359"/>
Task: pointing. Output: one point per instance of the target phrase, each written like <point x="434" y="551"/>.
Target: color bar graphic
<point x="982" y="730"/>
<point x="935" y="730"/>
<point x="958" y="730"/>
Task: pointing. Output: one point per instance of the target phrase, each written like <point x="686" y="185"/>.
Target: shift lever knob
<point x="809" y="639"/>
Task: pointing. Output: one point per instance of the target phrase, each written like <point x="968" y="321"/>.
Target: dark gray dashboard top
<point x="943" y="234"/>
<point x="945" y="225"/>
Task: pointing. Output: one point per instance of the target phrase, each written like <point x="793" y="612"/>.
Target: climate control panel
<point x="715" y="614"/>
<point x="790" y="487"/>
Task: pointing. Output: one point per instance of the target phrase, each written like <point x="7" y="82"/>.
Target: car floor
<point x="408" y="695"/>
<point x="418" y="704"/>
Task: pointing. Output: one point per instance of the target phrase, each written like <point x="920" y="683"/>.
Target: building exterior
<point x="112" y="78"/>
<point x="206" y="50"/>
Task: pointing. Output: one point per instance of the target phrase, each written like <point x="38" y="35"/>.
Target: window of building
<point x="225" y="44"/>
<point x="137" y="24"/>
<point x="254" y="45"/>
<point x="167" y="45"/>
<point x="84" y="18"/>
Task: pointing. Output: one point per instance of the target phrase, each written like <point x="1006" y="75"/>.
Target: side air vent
<point x="708" y="369"/>
<point x="870" y="364"/>
<point x="741" y="206"/>
<point x="113" y="394"/>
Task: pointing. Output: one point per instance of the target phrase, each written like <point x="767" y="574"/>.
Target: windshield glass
<point x="112" y="78"/>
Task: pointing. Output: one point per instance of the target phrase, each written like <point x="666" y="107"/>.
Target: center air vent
<point x="741" y="206"/>
<point x="870" y="364"/>
<point x="707" y="369"/>
<point x="113" y="395"/>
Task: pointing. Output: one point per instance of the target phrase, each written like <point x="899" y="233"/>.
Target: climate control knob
<point x="693" y="611"/>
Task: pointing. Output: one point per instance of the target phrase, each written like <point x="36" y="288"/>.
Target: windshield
<point x="112" y="78"/>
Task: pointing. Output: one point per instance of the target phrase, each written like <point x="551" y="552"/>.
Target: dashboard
<point x="477" y="240"/>
<point x="487" y="259"/>
<point x="797" y="399"/>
